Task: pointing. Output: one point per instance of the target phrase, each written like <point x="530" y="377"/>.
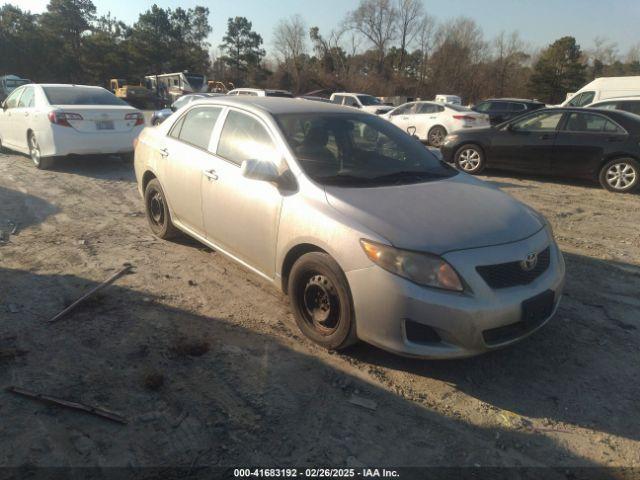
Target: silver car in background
<point x="371" y="236"/>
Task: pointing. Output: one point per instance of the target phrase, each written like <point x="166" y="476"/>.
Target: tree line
<point x="383" y="47"/>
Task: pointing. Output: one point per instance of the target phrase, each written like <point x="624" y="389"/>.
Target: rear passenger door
<point x="187" y="157"/>
<point x="582" y="142"/>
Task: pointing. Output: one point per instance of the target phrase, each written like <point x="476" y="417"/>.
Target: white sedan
<point x="49" y="121"/>
<point x="431" y="121"/>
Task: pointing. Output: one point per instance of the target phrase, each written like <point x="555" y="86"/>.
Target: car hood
<point x="456" y="213"/>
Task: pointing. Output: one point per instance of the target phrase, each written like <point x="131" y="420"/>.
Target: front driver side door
<point x="10" y="121"/>
<point x="401" y="116"/>
<point x="242" y="215"/>
<point x="527" y="144"/>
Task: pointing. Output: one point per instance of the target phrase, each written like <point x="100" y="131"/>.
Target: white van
<point x="602" y="89"/>
<point x="453" y="99"/>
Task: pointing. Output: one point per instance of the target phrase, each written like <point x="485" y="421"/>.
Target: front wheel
<point x="621" y="175"/>
<point x="436" y="136"/>
<point x="36" y="156"/>
<point x="321" y="301"/>
<point x="470" y="159"/>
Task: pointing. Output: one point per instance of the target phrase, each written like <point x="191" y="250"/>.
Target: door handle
<point x="211" y="174"/>
<point x="614" y="139"/>
<point x="164" y="153"/>
<point x="545" y="136"/>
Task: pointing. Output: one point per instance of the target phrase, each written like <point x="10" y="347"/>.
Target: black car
<point x="503" y="109"/>
<point x="583" y="143"/>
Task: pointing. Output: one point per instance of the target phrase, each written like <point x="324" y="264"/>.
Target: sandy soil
<point x="201" y="358"/>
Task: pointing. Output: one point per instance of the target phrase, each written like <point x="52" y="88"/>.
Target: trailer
<point x="171" y="86"/>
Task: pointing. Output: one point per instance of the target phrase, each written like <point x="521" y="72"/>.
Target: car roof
<point x="276" y="105"/>
<point x="617" y="99"/>
<point x="521" y="100"/>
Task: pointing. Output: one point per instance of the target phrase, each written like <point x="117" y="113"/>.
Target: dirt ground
<point x="199" y="355"/>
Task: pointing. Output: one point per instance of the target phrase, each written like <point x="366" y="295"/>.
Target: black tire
<point x="321" y="301"/>
<point x="470" y="159"/>
<point x="34" y="152"/>
<point x="436" y="136"/>
<point x="157" y="211"/>
<point x="621" y="175"/>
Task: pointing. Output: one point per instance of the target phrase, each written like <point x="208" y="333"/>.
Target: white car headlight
<point x="421" y="268"/>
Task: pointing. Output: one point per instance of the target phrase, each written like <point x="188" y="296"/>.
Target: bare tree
<point x="376" y="21"/>
<point x="410" y="14"/>
<point x="290" y="43"/>
<point x="509" y="54"/>
<point x="604" y="51"/>
<point x="425" y="38"/>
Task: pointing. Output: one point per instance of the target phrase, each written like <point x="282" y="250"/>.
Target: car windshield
<point x="196" y="81"/>
<point x="13" y="84"/>
<point x="367" y="100"/>
<point x="357" y="150"/>
<point x="81" y="96"/>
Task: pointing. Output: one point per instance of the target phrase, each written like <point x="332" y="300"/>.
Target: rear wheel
<point x="470" y="159"/>
<point x="321" y="301"/>
<point x="36" y="155"/>
<point x="436" y="136"/>
<point x="621" y="175"/>
<point x="157" y="211"/>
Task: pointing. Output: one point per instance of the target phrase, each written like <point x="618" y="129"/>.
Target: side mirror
<point x="172" y="108"/>
<point x="259" y="170"/>
<point x="4" y="105"/>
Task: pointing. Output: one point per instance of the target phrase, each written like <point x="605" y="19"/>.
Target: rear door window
<point x="245" y="138"/>
<point x="517" y="107"/>
<point x="590" y="123"/>
<point x="198" y="125"/>
<point x="27" y="99"/>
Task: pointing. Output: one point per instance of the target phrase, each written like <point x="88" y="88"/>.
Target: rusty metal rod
<point x="127" y="268"/>
<point x="99" y="412"/>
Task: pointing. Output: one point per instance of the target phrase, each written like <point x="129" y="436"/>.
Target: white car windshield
<point x="358" y="150"/>
<point x="81" y="96"/>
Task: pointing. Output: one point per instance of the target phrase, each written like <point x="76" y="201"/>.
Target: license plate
<point x="104" y="125"/>
<point x="539" y="308"/>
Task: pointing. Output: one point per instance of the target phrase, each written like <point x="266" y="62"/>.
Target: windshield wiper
<point x="403" y="175"/>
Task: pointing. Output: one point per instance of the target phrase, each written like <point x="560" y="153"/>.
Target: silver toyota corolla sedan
<point x="371" y="236"/>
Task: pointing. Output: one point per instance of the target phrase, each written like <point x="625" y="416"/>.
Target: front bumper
<point x="383" y="303"/>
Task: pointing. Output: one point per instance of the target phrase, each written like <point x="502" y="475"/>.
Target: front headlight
<point x="421" y="268"/>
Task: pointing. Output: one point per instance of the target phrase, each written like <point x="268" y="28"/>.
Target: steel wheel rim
<point x="621" y="175"/>
<point x="436" y="137"/>
<point x="156" y="208"/>
<point x="469" y="159"/>
<point x="320" y="304"/>
<point x="34" y="150"/>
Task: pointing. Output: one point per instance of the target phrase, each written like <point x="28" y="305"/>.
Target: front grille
<point x="505" y="275"/>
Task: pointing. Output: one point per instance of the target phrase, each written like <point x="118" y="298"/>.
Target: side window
<point x="176" y="128"/>
<point x="589" y="123"/>
<point x="338" y="99"/>
<point x="482" y="107"/>
<point x="350" y="102"/>
<point x="406" y="109"/>
<point x="197" y="126"/>
<point x="27" y="99"/>
<point x="517" y="107"/>
<point x="608" y="106"/>
<point x="500" y="107"/>
<point x="633" y="107"/>
<point x="245" y="138"/>
<point x="585" y="98"/>
<point x="12" y="100"/>
<point x="539" y="122"/>
<point x="427" y="108"/>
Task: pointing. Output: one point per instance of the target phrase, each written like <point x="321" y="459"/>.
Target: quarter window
<point x="197" y="126"/>
<point x="245" y="138"/>
<point x="541" y="122"/>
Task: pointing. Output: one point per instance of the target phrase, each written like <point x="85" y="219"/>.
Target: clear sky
<point x="539" y="22"/>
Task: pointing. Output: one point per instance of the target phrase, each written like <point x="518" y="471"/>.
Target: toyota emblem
<point x="530" y="262"/>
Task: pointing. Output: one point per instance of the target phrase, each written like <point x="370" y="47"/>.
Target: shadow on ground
<point x="244" y="399"/>
<point x="22" y="209"/>
<point x="579" y="369"/>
